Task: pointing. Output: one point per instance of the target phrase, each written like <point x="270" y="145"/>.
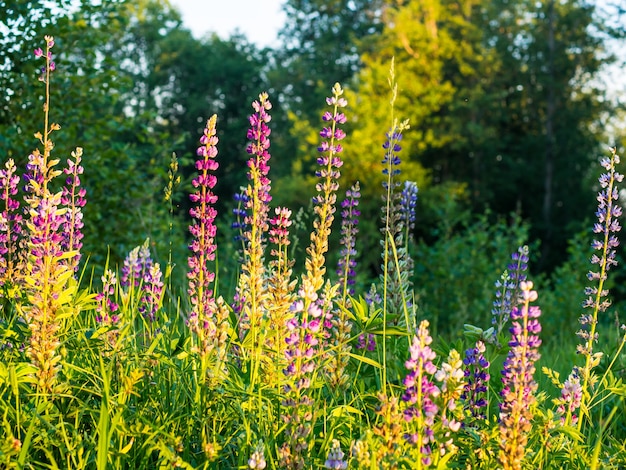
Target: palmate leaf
<point x="366" y="360"/>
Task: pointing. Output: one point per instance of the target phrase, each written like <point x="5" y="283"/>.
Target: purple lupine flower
<point x="607" y="242"/>
<point x="571" y="397"/>
<point x="508" y="290"/>
<point x="50" y="65"/>
<point x="258" y="165"/>
<point x="136" y="265"/>
<point x="152" y="292"/>
<point x="408" y="202"/>
<point x="10" y="220"/>
<point x="73" y="199"/>
<point x="349" y="221"/>
<point x="392" y="160"/>
<point x="240" y="213"/>
<point x="420" y="393"/>
<point x="251" y="285"/>
<point x="280" y="223"/>
<point x="106" y="308"/>
<point x="330" y="162"/>
<point x="304" y="332"/>
<point x="203" y="229"/>
<point x="366" y="341"/>
<point x="518" y="392"/>
<point x="336" y="457"/>
<point x="477" y="377"/>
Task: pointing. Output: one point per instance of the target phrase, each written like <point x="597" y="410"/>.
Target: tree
<point x="499" y="98"/>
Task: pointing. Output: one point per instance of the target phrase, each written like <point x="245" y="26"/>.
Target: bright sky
<point x="259" y="20"/>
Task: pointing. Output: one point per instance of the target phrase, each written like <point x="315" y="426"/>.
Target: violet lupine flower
<point x="408" y="203"/>
<point x="420" y="393"/>
<point x="251" y="285"/>
<point x="518" y="393"/>
<point x="304" y="329"/>
<point x="330" y="161"/>
<point x="395" y="277"/>
<point x="569" y="402"/>
<point x="203" y="229"/>
<point x="136" y="265"/>
<point x="10" y="221"/>
<point x="259" y="196"/>
<point x="50" y="65"/>
<point x="607" y="242"/>
<point x="336" y="457"/>
<point x="349" y="221"/>
<point x="477" y="377"/>
<point x="152" y="295"/>
<point x="240" y="213"/>
<point x="507" y="290"/>
<point x="106" y="308"/>
<point x="366" y="341"/>
<point x="73" y="199"/>
<point x="392" y="160"/>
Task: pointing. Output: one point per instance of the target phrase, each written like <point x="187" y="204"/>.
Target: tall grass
<point x="294" y="371"/>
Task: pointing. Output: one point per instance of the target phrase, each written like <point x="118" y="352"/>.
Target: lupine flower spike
<point x="208" y="316"/>
<point x="10" y="223"/>
<point x="474" y="396"/>
<point x="306" y="327"/>
<point x="605" y="228"/>
<point x="518" y="393"/>
<point x="420" y="395"/>
<point x="74" y="199"/>
<point x="47" y="273"/>
<point x="349" y="229"/>
<point x="251" y="288"/>
<point x="507" y="290"/>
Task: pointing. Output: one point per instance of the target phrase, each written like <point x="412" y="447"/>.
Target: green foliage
<point x="455" y="276"/>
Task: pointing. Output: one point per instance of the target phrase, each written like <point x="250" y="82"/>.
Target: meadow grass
<point x="293" y="370"/>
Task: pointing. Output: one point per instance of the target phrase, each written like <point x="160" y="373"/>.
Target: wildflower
<point x="336" y="457"/>
<point x="136" y="265"/>
<point x="10" y="222"/>
<point x="477" y="377"/>
<point x="507" y="290"/>
<point x="606" y="228"/>
<point x="280" y="289"/>
<point x="208" y="317"/>
<point x="46" y="273"/>
<point x="240" y="213"/>
<point x="349" y="221"/>
<point x="203" y="229"/>
<point x="571" y="397"/>
<point x="397" y="264"/>
<point x="257" y="195"/>
<point x="106" y="308"/>
<point x="366" y="341"/>
<point x="152" y="296"/>
<point x="330" y="162"/>
<point x="517" y="376"/>
<point x="387" y="450"/>
<point x="408" y="202"/>
<point x="420" y="394"/>
<point x="74" y="200"/>
<point x="257" y="459"/>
